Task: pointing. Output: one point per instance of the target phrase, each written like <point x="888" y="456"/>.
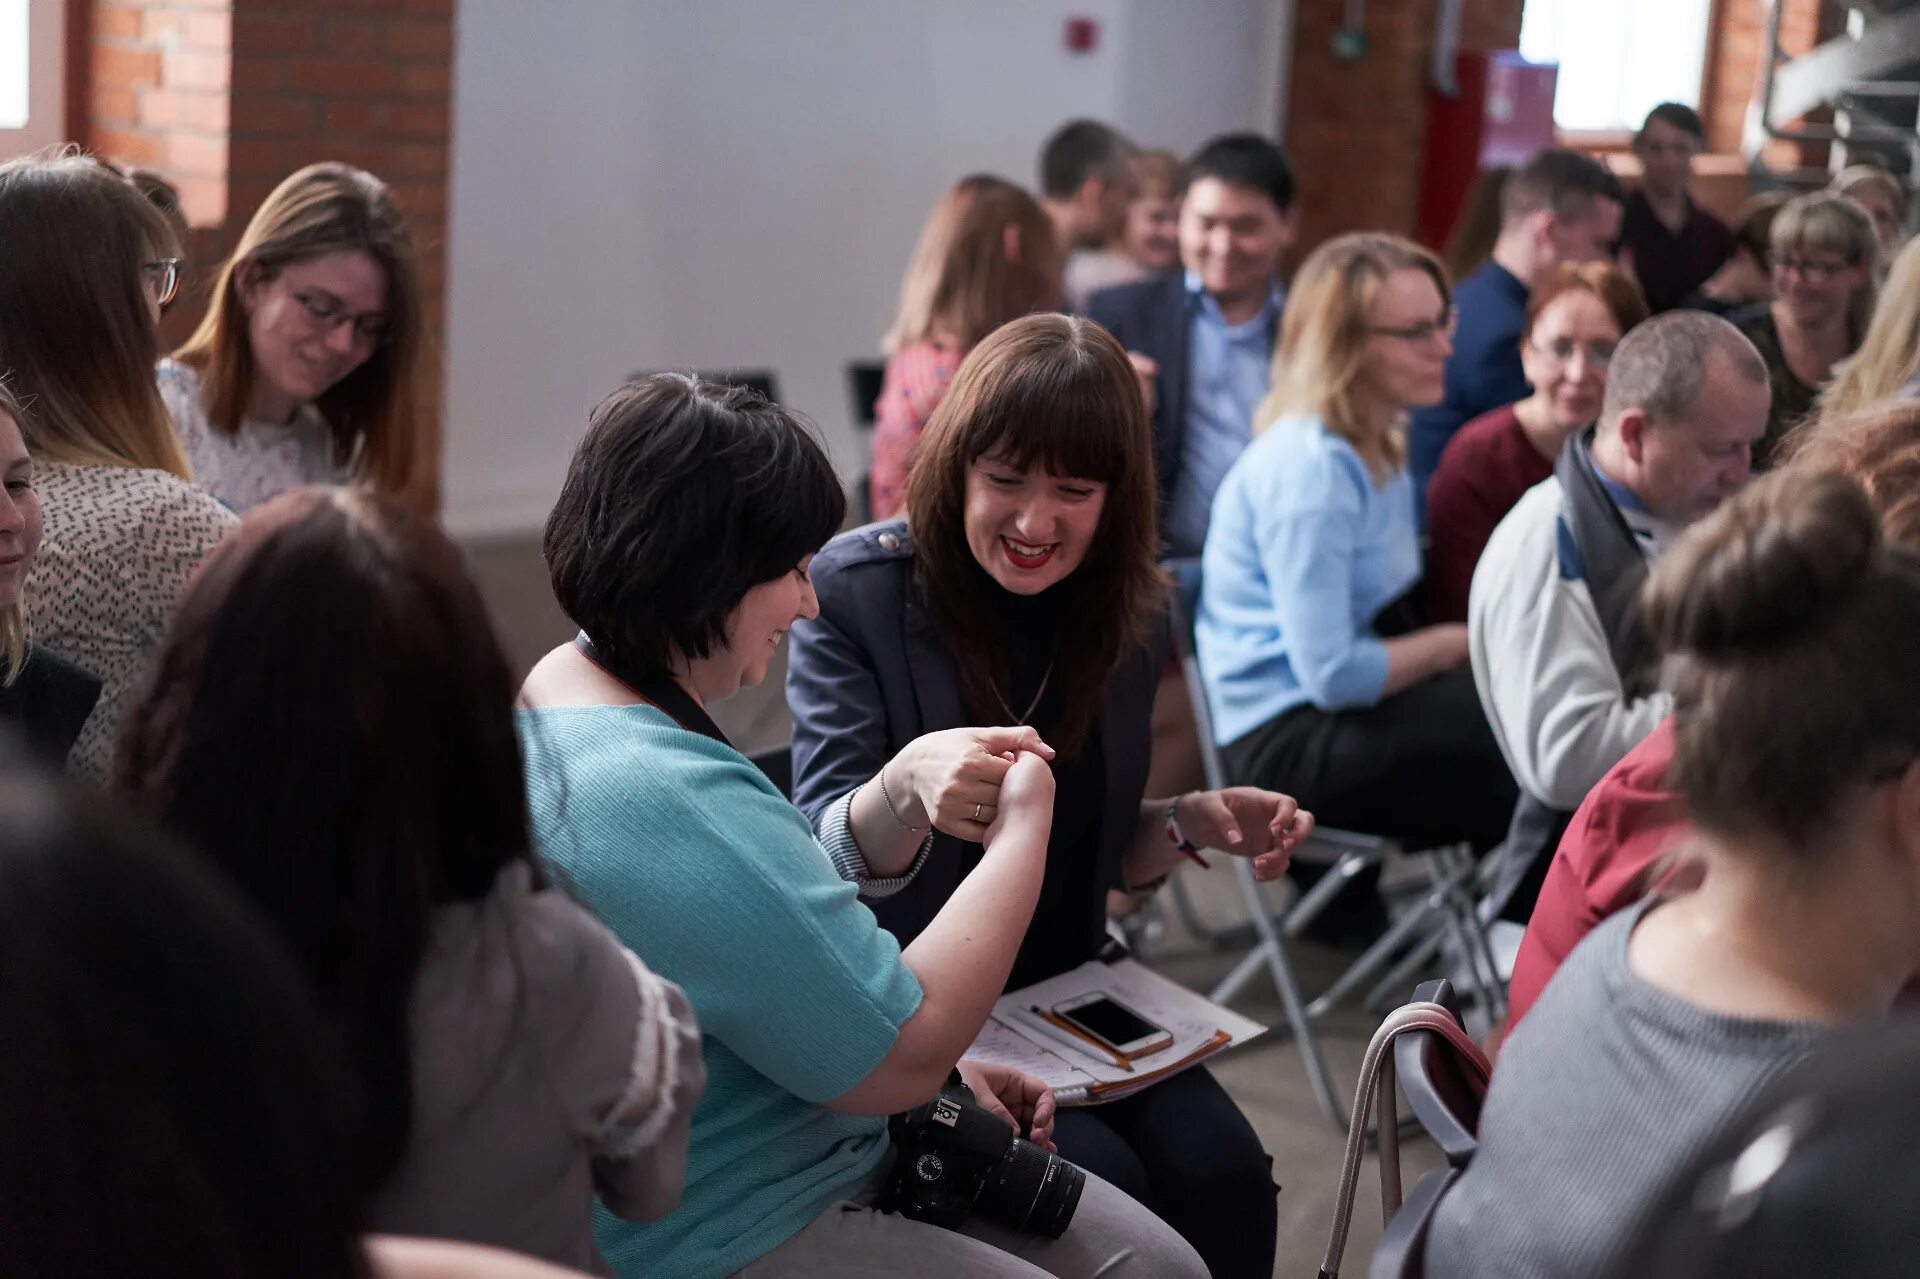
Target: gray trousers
<point x="1111" y="1237"/>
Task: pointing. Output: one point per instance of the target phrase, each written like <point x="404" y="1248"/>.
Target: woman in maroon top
<point x="1670" y="244"/>
<point x="1575" y="317"/>
<point x="987" y="255"/>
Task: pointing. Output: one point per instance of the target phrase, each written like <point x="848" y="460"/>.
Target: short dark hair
<point x="1078" y="150"/>
<point x="1677" y="115"/>
<point x="1246" y="160"/>
<point x="683" y="496"/>
<point x="1561" y="180"/>
<point x="172" y="1101"/>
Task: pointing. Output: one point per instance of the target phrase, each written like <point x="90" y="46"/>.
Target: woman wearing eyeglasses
<point x="305" y="369"/>
<point x="1317" y="684"/>
<point x="123" y="526"/>
<point x="1824" y="253"/>
<point x="1575" y="317"/>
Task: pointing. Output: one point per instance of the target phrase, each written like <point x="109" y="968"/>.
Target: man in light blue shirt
<point x="1228" y="366"/>
<point x="1206" y="339"/>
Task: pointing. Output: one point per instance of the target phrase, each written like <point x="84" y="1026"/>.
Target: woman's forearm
<point x="1423" y="654"/>
<point x="1151" y="854"/>
<point x="887" y="843"/>
<point x="961" y="961"/>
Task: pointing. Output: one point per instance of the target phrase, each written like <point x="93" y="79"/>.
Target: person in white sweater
<point x="1559" y="654"/>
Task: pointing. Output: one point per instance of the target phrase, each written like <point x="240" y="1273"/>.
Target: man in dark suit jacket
<point x="1205" y="337"/>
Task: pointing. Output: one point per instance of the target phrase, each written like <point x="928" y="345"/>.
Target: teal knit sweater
<point x="699" y="865"/>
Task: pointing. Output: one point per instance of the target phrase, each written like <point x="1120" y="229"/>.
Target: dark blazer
<point x="48" y="704"/>
<point x="1155" y="318"/>
<point x="1151" y="317"/>
<point x="871" y="673"/>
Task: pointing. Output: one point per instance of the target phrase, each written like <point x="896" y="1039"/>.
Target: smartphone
<point x="1102" y="1017"/>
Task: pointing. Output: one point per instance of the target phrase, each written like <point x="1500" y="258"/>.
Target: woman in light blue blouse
<point x="1317" y="683"/>
<point x="681" y="545"/>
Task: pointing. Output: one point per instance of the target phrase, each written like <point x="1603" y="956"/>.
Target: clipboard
<point x="1200" y="1028"/>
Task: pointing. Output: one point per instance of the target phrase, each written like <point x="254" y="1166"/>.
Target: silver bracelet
<point x="881" y="776"/>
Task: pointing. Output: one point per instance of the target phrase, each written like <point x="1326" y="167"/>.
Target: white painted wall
<point x="644" y="184"/>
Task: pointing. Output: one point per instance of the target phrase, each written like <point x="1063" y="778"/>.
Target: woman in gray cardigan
<point x="1022" y="593"/>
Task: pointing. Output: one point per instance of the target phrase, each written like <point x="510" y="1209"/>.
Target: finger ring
<point x="976" y="812"/>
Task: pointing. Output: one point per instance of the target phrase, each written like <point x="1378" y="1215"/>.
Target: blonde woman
<point x="82" y="269"/>
<point x="1888" y="362"/>
<point x="306" y="367"/>
<point x="1314" y="677"/>
<point x="1823" y="258"/>
<point x="1884" y="198"/>
<point x="987" y="255"/>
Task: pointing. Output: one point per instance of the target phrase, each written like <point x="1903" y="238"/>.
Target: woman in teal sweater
<point x="680" y="545"/>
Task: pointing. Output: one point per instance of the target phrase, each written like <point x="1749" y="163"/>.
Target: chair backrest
<point x="1445" y="1097"/>
<point x="864" y="380"/>
<point x="1184" y="605"/>
<point x="1401" y="1253"/>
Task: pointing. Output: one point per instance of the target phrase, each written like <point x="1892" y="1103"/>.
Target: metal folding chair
<point x="1447" y="1080"/>
<point x="1447" y="904"/>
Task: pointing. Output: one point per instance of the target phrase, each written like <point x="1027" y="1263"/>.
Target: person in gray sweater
<point x="329" y="721"/>
<point x="1786" y="623"/>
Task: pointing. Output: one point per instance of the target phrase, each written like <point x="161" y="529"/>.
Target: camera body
<point x="953" y="1158"/>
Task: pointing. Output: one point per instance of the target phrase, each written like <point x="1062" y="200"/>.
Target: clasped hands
<point x="959" y="780"/>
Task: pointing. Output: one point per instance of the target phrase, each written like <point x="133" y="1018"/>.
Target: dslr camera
<point x="952" y="1158"/>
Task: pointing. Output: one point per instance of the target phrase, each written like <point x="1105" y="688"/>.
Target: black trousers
<point x="1421" y="767"/>
<point x="1186" y="1153"/>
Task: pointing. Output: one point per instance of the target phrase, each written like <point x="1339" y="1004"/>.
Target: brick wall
<point x="1355" y="129"/>
<point x="1735" y="62"/>
<point x="227" y="97"/>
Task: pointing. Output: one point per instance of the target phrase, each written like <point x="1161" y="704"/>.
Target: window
<point x="13" y="63"/>
<point x="1617" y="60"/>
<point x="32" y="58"/>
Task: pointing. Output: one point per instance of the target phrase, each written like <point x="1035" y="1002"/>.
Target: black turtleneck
<point x="1068" y="925"/>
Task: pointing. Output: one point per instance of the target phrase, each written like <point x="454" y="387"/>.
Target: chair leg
<point x="1392" y="988"/>
<point x="1325" y="889"/>
<point x="1272" y="952"/>
<point x="1378" y="954"/>
<point x="1474" y="925"/>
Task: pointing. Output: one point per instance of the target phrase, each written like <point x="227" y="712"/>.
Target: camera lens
<point x="1031" y="1189"/>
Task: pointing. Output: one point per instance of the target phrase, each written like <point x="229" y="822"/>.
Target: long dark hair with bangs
<point x="1056" y="390"/>
<point x="330" y="720"/>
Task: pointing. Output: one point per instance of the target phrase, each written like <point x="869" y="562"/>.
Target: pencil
<point x="1083" y="1039"/>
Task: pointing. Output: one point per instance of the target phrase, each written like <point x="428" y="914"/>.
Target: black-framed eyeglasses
<point x="1562" y="351"/>
<point x="1812" y="270"/>
<point x="1425" y="331"/>
<point x="327" y="315"/>
<point x="162" y="278"/>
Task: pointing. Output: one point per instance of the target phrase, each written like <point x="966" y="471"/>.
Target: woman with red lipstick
<point x="1022" y="590"/>
<point x="306" y="368"/>
<point x="1824" y="251"/>
<point x="1575" y="317"/>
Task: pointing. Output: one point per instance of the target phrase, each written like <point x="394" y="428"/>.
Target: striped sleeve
<point x="836" y="836"/>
